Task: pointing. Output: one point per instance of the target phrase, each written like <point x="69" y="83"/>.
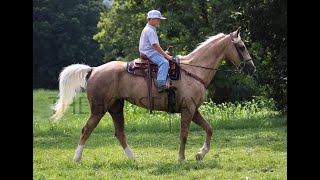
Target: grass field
<point x="249" y="142"/>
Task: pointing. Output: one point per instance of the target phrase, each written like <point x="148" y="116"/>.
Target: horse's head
<point x="239" y="55"/>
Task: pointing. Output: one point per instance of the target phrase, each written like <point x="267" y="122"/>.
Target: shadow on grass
<point x="274" y="138"/>
<point x="174" y="167"/>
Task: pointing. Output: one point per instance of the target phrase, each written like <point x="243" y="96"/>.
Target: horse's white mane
<point x="209" y="40"/>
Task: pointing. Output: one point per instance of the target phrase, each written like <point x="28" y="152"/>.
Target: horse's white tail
<point x="71" y="80"/>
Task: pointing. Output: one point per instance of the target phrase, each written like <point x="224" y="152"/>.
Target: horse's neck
<point x="209" y="56"/>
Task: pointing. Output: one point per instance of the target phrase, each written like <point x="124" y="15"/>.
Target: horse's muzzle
<point x="249" y="69"/>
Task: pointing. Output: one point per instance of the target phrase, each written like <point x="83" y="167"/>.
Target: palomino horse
<point x="109" y="85"/>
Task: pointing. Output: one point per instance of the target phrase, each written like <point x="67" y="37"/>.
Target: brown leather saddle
<point x="149" y="70"/>
<point x="143" y="65"/>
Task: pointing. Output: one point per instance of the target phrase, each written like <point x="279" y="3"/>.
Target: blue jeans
<point x="163" y="68"/>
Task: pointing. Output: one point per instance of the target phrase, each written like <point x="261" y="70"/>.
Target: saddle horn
<point x="169" y="50"/>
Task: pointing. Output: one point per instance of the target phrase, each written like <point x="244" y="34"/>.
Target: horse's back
<point x="110" y="67"/>
<point x="105" y="77"/>
<point x="112" y="79"/>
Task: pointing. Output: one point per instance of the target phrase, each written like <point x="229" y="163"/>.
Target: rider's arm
<point x="160" y="50"/>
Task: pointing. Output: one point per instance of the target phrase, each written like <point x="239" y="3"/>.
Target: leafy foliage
<point x="62" y="35"/>
<point x="269" y="28"/>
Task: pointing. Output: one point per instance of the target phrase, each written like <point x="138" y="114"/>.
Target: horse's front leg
<point x="199" y="120"/>
<point x="186" y="117"/>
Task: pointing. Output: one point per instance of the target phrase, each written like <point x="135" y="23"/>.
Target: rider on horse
<point x="149" y="46"/>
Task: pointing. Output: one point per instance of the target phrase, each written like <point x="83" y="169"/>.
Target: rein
<point x="198" y="78"/>
<point x="214" y="69"/>
<point x="239" y="68"/>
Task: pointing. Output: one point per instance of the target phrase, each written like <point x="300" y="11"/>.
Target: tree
<point x="268" y="26"/>
<point x="264" y="27"/>
<point x="63" y="34"/>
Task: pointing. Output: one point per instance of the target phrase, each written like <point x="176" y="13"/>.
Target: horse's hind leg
<point x="116" y="112"/>
<point x="199" y="120"/>
<point x="86" y="132"/>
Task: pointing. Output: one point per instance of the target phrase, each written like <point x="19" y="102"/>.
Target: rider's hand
<point x="170" y="58"/>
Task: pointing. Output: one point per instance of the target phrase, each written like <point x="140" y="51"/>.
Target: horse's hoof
<point x="77" y="160"/>
<point x="182" y="159"/>
<point x="131" y="158"/>
<point x="199" y="156"/>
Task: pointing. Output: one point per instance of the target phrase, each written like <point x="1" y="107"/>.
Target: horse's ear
<point x="238" y="31"/>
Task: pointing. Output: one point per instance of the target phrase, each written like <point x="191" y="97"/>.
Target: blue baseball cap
<point x="155" y="14"/>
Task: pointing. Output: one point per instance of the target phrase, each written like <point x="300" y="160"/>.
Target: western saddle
<point x="149" y="70"/>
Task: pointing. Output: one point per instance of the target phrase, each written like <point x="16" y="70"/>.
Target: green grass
<point x="249" y="141"/>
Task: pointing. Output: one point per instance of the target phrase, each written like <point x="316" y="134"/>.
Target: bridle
<point x="243" y="62"/>
<point x="239" y="68"/>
